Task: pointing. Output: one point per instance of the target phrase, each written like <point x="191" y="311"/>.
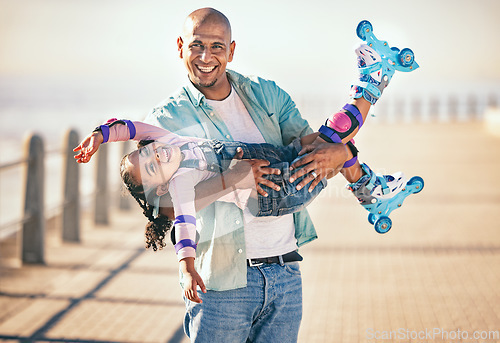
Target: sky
<point x="103" y="50"/>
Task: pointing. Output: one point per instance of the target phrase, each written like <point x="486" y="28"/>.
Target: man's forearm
<point x="206" y="192"/>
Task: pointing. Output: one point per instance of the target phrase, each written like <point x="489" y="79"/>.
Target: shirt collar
<point x="236" y="80"/>
<point x="194" y="94"/>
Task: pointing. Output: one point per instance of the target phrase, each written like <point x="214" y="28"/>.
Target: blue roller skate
<point x="377" y="63"/>
<point x="382" y="194"/>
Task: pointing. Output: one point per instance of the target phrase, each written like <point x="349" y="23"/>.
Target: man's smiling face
<point x="206" y="48"/>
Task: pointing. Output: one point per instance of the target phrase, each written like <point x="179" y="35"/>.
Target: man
<point x="248" y="267"/>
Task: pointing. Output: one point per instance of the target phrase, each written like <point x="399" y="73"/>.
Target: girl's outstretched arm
<point x="117" y="131"/>
<point x="123" y="130"/>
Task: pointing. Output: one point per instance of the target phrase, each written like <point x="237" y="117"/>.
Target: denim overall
<point x="287" y="200"/>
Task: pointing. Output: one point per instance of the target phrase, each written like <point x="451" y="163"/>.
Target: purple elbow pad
<point x="183" y="244"/>
<point x="185" y="219"/>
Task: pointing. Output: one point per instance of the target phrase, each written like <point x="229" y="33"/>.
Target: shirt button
<point x="211" y="114"/>
<point x="237" y="222"/>
<point x="228" y="137"/>
<point x="240" y="251"/>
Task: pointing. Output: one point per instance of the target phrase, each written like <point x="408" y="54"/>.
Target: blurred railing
<point x="414" y="108"/>
<point x="32" y="225"/>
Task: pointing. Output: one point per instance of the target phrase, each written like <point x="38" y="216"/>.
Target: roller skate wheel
<point x="418" y="182"/>
<point x="371" y="218"/>
<point x="364" y="27"/>
<point x="406" y="57"/>
<point x="383" y="225"/>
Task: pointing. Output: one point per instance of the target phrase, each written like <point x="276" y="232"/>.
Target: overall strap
<point x="209" y="150"/>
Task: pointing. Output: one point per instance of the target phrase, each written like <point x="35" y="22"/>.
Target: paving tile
<point x="31" y="318"/>
<point x="112" y="321"/>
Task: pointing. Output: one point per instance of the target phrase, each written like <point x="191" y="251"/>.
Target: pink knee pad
<point x="340" y="122"/>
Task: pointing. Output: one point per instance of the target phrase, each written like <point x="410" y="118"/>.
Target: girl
<point x="166" y="162"/>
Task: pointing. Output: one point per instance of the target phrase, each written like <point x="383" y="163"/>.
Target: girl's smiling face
<point x="154" y="164"/>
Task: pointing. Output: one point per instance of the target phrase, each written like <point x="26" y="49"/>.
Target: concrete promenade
<point x="435" y="277"/>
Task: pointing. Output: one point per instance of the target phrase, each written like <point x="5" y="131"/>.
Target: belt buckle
<point x="251" y="264"/>
<point x="281" y="262"/>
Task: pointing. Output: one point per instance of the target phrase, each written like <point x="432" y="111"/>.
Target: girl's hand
<point x="88" y="147"/>
<point x="191" y="280"/>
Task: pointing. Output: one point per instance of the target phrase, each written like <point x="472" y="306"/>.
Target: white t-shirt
<point x="264" y="236"/>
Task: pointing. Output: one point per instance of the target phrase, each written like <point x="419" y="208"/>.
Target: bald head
<point x="206" y="48"/>
<point x="204" y="16"/>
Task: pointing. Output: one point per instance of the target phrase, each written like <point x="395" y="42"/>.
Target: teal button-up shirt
<point x="220" y="254"/>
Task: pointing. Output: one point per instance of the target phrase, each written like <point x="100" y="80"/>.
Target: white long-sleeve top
<point x="183" y="182"/>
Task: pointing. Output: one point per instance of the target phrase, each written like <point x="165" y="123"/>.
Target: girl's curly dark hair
<point x="156" y="228"/>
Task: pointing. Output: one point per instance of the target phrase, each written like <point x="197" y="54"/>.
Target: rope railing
<point x="32" y="223"/>
<point x="12" y="164"/>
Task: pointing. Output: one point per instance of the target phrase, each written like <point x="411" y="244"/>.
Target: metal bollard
<point x="492" y="100"/>
<point x="33" y="234"/>
<point x="416" y="109"/>
<point x="472" y="111"/>
<point x="101" y="213"/>
<point x="453" y="107"/>
<point x="434" y="108"/>
<point x="71" y="196"/>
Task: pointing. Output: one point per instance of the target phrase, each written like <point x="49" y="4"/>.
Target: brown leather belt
<point x="290" y="257"/>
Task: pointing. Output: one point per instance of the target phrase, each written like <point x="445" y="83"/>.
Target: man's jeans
<point x="268" y="310"/>
<point x="278" y="203"/>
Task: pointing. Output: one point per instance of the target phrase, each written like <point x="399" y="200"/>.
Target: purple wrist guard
<point x="351" y="162"/>
<point x="105" y="133"/>
<point x="105" y="128"/>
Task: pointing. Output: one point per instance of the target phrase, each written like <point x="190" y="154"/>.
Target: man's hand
<point x="88" y="147"/>
<point x="250" y="173"/>
<point x="318" y="161"/>
<point x="191" y="280"/>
